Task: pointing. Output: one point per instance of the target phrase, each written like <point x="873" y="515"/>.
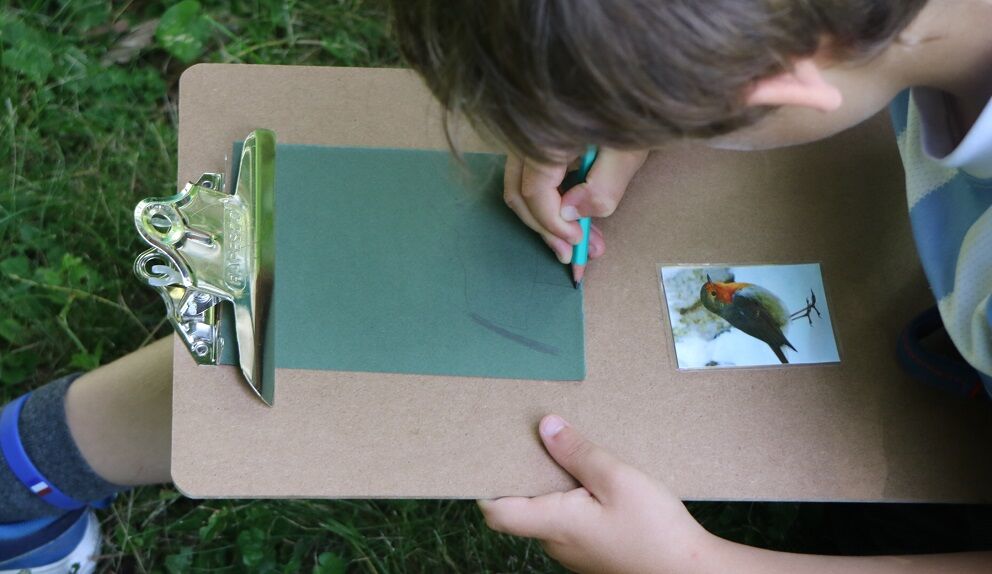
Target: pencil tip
<point x="578" y="271"/>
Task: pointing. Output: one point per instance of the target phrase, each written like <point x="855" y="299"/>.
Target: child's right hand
<point x="531" y="191"/>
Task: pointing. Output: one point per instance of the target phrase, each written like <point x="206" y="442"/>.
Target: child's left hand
<point x="619" y="520"/>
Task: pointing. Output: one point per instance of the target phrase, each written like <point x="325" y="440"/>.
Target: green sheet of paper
<point x="403" y="261"/>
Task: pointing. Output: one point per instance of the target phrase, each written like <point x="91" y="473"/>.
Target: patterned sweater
<point x="949" y="188"/>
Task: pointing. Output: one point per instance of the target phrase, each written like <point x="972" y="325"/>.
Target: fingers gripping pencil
<point x="580" y="252"/>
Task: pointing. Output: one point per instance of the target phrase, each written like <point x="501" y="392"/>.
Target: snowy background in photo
<point x="703" y="339"/>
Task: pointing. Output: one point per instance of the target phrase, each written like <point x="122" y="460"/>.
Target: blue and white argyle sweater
<point x="949" y="188"/>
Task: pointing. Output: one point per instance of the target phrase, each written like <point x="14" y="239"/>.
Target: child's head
<point x="554" y="74"/>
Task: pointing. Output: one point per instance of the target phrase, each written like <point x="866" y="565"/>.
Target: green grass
<point x="87" y="129"/>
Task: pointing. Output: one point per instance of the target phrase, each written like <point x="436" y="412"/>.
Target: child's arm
<point x="531" y="190"/>
<point x="623" y="521"/>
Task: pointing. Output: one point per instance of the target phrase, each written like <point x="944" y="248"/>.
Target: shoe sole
<point x="82" y="560"/>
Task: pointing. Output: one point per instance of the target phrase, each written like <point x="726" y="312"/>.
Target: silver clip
<point x="210" y="246"/>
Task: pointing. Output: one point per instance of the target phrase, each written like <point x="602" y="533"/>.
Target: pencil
<point x="580" y="252"/>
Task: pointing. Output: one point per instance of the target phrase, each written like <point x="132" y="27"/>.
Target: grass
<point x="87" y="129"/>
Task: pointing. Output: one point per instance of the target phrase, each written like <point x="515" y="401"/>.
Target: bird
<point x="750" y="308"/>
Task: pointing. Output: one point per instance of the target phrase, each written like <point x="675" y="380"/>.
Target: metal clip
<point x="210" y="246"/>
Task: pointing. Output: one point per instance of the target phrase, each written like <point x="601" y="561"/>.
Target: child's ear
<point x="803" y="86"/>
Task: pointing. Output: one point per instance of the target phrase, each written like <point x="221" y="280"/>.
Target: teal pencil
<point x="580" y="252"/>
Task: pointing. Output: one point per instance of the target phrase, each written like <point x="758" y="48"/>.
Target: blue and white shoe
<point x="68" y="544"/>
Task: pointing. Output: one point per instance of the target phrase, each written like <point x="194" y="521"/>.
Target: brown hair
<point x="552" y="75"/>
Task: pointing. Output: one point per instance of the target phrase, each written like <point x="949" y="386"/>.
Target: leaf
<point x="18" y="265"/>
<point x="48" y="276"/>
<point x="11" y="330"/>
<point x="33" y="60"/>
<point x="26" y="52"/>
<point x="183" y="30"/>
<point x="295" y="563"/>
<point x="330" y="563"/>
<point x="215" y="524"/>
<point x="15" y="367"/>
<point x="34" y="235"/>
<point x="181" y="562"/>
<point x="85" y="361"/>
<point x="77" y="273"/>
<point x="86" y="14"/>
<point x="251" y="542"/>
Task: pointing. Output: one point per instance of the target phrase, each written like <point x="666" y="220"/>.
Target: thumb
<point x="596" y="468"/>
<point x="604" y="187"/>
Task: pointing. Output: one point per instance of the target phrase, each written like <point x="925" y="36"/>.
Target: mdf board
<point x="856" y="430"/>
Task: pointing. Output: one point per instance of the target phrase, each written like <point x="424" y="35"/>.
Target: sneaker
<point x="68" y="544"/>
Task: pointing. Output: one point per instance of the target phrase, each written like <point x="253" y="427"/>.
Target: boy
<point x="548" y="77"/>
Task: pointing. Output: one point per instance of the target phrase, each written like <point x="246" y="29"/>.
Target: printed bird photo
<point x="748" y="316"/>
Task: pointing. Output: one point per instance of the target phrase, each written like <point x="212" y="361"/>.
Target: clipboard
<point x="389" y="261"/>
<point x="856" y="430"/>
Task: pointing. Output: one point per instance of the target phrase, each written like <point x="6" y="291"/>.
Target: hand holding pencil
<point x="580" y="251"/>
<point x="534" y="192"/>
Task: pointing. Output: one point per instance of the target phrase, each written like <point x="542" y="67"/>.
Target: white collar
<point x="972" y="154"/>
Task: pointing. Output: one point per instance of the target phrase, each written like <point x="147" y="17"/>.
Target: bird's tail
<point x="781" y="354"/>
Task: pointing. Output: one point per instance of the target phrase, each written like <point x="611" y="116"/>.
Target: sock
<point x="48" y="442"/>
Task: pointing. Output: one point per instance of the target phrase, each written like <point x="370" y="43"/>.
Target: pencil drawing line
<point x="525" y="341"/>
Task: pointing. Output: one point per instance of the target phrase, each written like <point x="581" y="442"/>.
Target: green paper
<point x="403" y="261"/>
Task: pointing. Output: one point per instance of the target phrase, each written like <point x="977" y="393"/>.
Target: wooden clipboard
<point x="857" y="430"/>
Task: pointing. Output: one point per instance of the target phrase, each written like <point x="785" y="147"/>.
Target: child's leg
<point x="90" y="436"/>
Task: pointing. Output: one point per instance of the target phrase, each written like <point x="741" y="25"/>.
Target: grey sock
<point x="48" y="442"/>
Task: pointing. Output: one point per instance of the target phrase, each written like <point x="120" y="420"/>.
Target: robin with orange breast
<point x="750" y="308"/>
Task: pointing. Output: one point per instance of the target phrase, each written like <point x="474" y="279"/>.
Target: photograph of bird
<point x="750" y="308"/>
